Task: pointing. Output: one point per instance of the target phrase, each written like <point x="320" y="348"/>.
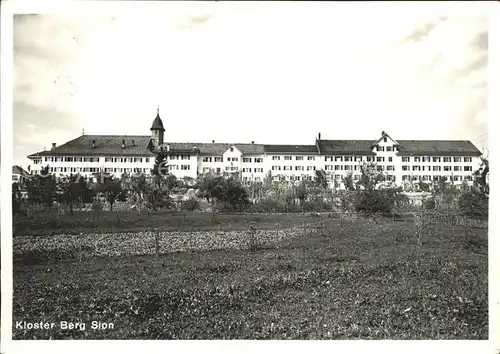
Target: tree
<point x="17" y="198"/>
<point x="321" y="180"/>
<point x="349" y="182"/>
<point x="481" y="177"/>
<point x="371" y="176"/>
<point x="110" y="188"/>
<point x="42" y="188"/>
<point x="69" y="190"/>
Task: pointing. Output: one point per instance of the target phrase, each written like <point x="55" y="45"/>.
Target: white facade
<point x="286" y="166"/>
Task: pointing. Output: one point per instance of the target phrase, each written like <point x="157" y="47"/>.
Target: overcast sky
<point x="273" y="73"/>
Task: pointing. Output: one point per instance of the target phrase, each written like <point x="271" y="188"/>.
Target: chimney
<point x="213" y="141"/>
<point x="123" y="143"/>
<point x="319" y="136"/>
<point x="53" y="146"/>
<point x="133" y="142"/>
<point x="383" y="133"/>
<point x="93" y="143"/>
<point x="253" y="141"/>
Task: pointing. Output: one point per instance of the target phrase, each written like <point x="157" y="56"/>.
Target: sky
<point x="275" y="73"/>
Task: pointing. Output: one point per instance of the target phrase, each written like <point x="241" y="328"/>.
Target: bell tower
<point x="157" y="129"/>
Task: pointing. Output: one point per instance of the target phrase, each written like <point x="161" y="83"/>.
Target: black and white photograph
<point x="251" y="171"/>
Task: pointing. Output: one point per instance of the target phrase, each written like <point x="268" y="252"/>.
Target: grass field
<point x="355" y="280"/>
<point x="42" y="223"/>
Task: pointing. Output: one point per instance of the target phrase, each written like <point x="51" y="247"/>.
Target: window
<point x="247" y="170"/>
<point x="436" y="159"/>
<point x="380" y="168"/>
<point x="457" y="178"/>
<point x="329" y="158"/>
<point x="299" y="158"/>
<point x="416" y="159"/>
<point x="338" y="167"/>
<point x="311" y="168"/>
<point x="405" y="159"/>
<point x="426" y="178"/>
<point x="208" y="159"/>
<point x="311" y="158"/>
<point x="338" y="158"/>
<point x="338" y="177"/>
<point x="328" y="167"/>
<point x="385" y="139"/>
<point x="229" y="159"/>
<point x="388" y="148"/>
<point x="276" y="168"/>
<point x="231" y="149"/>
<point x="185" y="167"/>
<point x="390" y="159"/>
<point x="446" y="159"/>
<point x="276" y="158"/>
<point x="426" y="159"/>
<point x="234" y="159"/>
<point x="416" y="168"/>
<point x="447" y="168"/>
<point x="347" y="158"/>
<point x="258" y="159"/>
<point x="287" y="158"/>
<point x="467" y="159"/>
<point x="380" y="159"/>
<point x="380" y="148"/>
<point x="468" y="168"/>
<point x="457" y="168"/>
<point x="287" y="168"/>
<point x="347" y="168"/>
<point x="390" y="168"/>
<point x="457" y="159"/>
<point x="258" y="170"/>
<point x="436" y="168"/>
<point x="147" y="159"/>
<point x="299" y="168"/>
<point x="185" y="157"/>
<point x="369" y="159"/>
<point x="218" y="159"/>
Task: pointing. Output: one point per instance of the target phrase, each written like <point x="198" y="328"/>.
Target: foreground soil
<point x="355" y="280"/>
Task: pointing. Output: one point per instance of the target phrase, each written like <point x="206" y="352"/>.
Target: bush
<point x="381" y="200"/>
<point x="96" y="206"/>
<point x="191" y="204"/>
<point x="429" y="204"/>
<point x="473" y="204"/>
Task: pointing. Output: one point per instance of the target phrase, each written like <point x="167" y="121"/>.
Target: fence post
<point x="252" y="231"/>
<point x="304" y="226"/>
<point x="277" y="230"/>
<point x="157" y="241"/>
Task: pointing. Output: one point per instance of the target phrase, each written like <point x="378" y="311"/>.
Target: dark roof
<point x="437" y="147"/>
<point x="110" y="145"/>
<point x="346" y="147"/>
<point x="157" y="123"/>
<point x="18" y="170"/>
<point x="291" y="149"/>
<point x="215" y="148"/>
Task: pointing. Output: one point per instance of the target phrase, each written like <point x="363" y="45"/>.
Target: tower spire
<point x="157" y="109"/>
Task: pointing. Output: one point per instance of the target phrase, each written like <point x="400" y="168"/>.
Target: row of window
<point x="95" y="170"/>
<point x="298" y="158"/>
<point x="290" y="168"/>
<point x="436" y="178"/>
<point x="92" y="159"/>
<point x="180" y="167"/>
<point x="126" y="159"/>
<point x="436" y="159"/>
<point x="258" y="170"/>
<point x="437" y="168"/>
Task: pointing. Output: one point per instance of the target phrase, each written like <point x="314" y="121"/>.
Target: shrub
<point x="191" y="204"/>
<point x="474" y="204"/>
<point x="380" y="200"/>
<point x="96" y="206"/>
<point x="429" y="204"/>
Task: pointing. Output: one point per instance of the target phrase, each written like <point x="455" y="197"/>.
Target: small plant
<point x="191" y="204"/>
<point x="96" y="206"/>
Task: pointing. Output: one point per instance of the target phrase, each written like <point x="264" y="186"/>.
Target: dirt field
<point x="357" y="279"/>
